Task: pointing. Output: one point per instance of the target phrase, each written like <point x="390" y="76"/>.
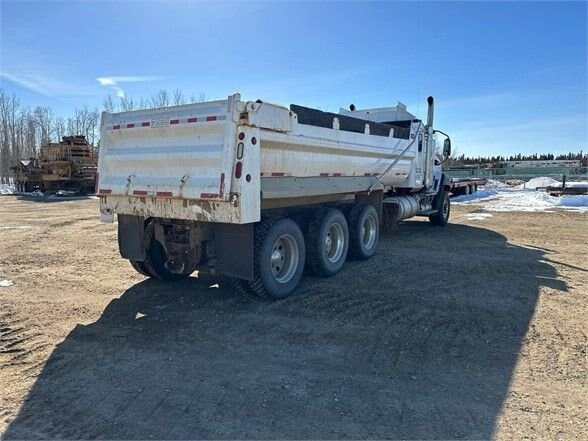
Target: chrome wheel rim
<point x="368" y="232"/>
<point x="334" y="242"/>
<point x="284" y="258"/>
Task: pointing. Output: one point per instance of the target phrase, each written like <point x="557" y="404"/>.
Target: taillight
<point x="238" y="169"/>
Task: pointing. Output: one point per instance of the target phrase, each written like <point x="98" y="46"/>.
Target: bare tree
<point x="160" y="99"/>
<point x="126" y="104"/>
<point x="178" y="97"/>
<point x="109" y="104"/>
<point x="44" y="120"/>
<point x="58" y="128"/>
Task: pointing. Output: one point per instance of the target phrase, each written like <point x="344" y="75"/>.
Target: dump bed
<point x="224" y="161"/>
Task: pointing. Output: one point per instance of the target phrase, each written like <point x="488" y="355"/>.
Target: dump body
<point x="225" y="161"/>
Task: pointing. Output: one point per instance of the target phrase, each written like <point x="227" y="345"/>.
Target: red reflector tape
<point x="140" y="192"/>
<point x="104" y="191"/>
<point x="145" y="124"/>
<point x="209" y="195"/>
<point x="174" y="121"/>
<point x="130" y="126"/>
<point x="116" y="127"/>
<point x="211" y="118"/>
<point x="277" y="174"/>
<point x="167" y="194"/>
<point x="192" y="120"/>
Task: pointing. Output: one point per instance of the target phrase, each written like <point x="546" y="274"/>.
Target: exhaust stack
<point x="431" y="109"/>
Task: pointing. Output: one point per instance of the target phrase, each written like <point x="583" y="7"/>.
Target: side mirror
<point x="447" y="147"/>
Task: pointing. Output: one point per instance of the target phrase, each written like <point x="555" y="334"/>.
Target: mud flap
<point x="234" y="248"/>
<point x="131" y="237"/>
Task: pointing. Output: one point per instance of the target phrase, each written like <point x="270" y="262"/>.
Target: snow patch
<point x="539" y="182"/>
<point x="7" y="189"/>
<point x="478" y="216"/>
<point x="4" y="283"/>
<point x="480" y="194"/>
<point x="523" y="200"/>
<point x="491" y="183"/>
<point x="498" y="196"/>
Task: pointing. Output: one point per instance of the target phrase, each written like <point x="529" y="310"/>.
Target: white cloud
<point x="43" y="82"/>
<point x="114" y="82"/>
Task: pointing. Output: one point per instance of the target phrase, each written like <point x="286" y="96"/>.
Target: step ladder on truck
<point x="257" y="191"/>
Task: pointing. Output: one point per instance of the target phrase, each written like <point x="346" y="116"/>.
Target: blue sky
<point x="507" y="77"/>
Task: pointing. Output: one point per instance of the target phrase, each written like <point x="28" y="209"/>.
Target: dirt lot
<point x="475" y="330"/>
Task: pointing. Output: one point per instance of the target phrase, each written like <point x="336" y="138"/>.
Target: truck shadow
<point x="419" y="342"/>
<point x="53" y="199"/>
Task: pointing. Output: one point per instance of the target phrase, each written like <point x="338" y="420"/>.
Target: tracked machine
<point x="69" y="165"/>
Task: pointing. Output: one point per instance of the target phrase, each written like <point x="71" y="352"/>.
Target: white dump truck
<point x="257" y="191"/>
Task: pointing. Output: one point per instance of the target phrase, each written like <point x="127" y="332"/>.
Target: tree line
<point x="492" y="160"/>
<point x="24" y="130"/>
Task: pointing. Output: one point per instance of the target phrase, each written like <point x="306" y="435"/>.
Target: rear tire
<point x="441" y="217"/>
<point x="327" y="242"/>
<point x="279" y="256"/>
<point x="155" y="257"/>
<point x="140" y="268"/>
<point x="364" y="231"/>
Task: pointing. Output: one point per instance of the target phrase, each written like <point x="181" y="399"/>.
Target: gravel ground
<point x="473" y="330"/>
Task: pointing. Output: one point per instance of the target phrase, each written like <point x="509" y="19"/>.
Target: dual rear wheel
<point x="282" y="250"/>
<point x="155" y="258"/>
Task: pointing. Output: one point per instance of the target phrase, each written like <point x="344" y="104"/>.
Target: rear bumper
<point x="170" y="208"/>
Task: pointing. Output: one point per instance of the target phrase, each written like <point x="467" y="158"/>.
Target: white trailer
<point x="257" y="191"/>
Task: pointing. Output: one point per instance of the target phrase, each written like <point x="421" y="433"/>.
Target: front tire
<point x="441" y="217"/>
<point x="279" y="257"/>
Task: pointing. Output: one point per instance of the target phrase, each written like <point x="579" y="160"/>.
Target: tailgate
<point x="179" y="152"/>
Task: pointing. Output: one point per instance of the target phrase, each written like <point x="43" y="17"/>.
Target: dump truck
<point x="258" y="192"/>
<point x="66" y="165"/>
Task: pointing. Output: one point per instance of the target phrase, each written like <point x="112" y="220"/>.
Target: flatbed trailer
<point x="465" y="186"/>
<point x="257" y="191"/>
